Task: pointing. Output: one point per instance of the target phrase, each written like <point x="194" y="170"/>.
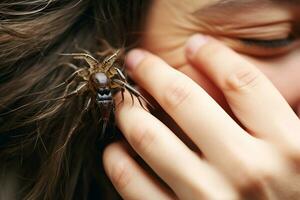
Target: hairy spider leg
<point x="110" y="60"/>
<point x="136" y="93"/>
<point x="122" y="96"/>
<point x="122" y="76"/>
<point x="66" y="82"/>
<point x="107" y="47"/>
<point x="104" y="53"/>
<point x="44" y="113"/>
<point x="81" y="49"/>
<point x="69" y="79"/>
<point x="84" y="56"/>
<point x="71" y="65"/>
<point x="80" y="89"/>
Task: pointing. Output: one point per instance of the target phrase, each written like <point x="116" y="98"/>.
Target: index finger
<point x="253" y="98"/>
<point x="202" y="119"/>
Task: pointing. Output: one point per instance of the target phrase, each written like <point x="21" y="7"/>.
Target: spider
<point x="103" y="79"/>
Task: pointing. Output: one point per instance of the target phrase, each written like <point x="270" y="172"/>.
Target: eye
<point x="264" y="47"/>
<point x="270" y="44"/>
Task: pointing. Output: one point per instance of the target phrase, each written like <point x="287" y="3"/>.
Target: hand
<point x="257" y="158"/>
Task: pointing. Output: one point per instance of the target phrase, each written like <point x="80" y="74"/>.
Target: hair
<point x="33" y="34"/>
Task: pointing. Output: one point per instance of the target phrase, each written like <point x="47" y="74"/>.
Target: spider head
<point x="101" y="83"/>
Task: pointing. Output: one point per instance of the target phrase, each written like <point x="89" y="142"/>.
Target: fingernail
<point x="194" y="43"/>
<point x="134" y="57"/>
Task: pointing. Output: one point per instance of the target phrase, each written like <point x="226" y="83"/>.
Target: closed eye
<point x="270" y="44"/>
<point x="265" y="48"/>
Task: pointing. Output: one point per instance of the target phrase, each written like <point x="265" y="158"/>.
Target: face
<point x="263" y="31"/>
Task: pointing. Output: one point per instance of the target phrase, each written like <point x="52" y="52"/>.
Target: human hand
<point x="258" y="158"/>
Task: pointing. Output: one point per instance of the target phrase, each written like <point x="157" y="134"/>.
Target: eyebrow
<point x="225" y="4"/>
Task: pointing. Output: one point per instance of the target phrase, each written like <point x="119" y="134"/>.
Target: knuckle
<point x="254" y="178"/>
<point x="221" y="193"/>
<point x="142" y="136"/>
<point x="177" y="92"/>
<point x="293" y="154"/>
<point x="120" y="174"/>
<point x="243" y="79"/>
<point x="254" y="172"/>
<point x="289" y="143"/>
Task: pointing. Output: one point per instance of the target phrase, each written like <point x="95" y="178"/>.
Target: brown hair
<point x="33" y="34"/>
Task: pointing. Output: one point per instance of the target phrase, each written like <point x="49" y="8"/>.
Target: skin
<point x="228" y="127"/>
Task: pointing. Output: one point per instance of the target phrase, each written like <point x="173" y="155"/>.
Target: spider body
<point x="97" y="83"/>
<point x="103" y="80"/>
<point x="104" y="95"/>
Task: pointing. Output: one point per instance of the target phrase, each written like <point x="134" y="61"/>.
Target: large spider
<point x="100" y="81"/>
<point x="103" y="79"/>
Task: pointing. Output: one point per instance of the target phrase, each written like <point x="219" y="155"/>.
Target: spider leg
<point x="84" y="56"/>
<point x="71" y="65"/>
<point x="44" y="112"/>
<point x="79" y="90"/>
<point x="104" y="53"/>
<point x="105" y="44"/>
<point x="108" y="49"/>
<point x="120" y="74"/>
<point x="122" y="94"/>
<point x="132" y="99"/>
<point x="109" y="60"/>
<point x="66" y="82"/>
<point x="81" y="49"/>
<point x="132" y="90"/>
<point x="86" y="108"/>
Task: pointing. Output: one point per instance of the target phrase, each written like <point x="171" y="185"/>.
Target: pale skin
<point x="236" y="105"/>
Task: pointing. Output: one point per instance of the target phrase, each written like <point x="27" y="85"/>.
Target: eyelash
<point x="270" y="44"/>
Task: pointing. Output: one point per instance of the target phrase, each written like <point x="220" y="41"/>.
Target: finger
<point x="252" y="97"/>
<point x="129" y="179"/>
<point x="202" y="119"/>
<point x="183" y="170"/>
